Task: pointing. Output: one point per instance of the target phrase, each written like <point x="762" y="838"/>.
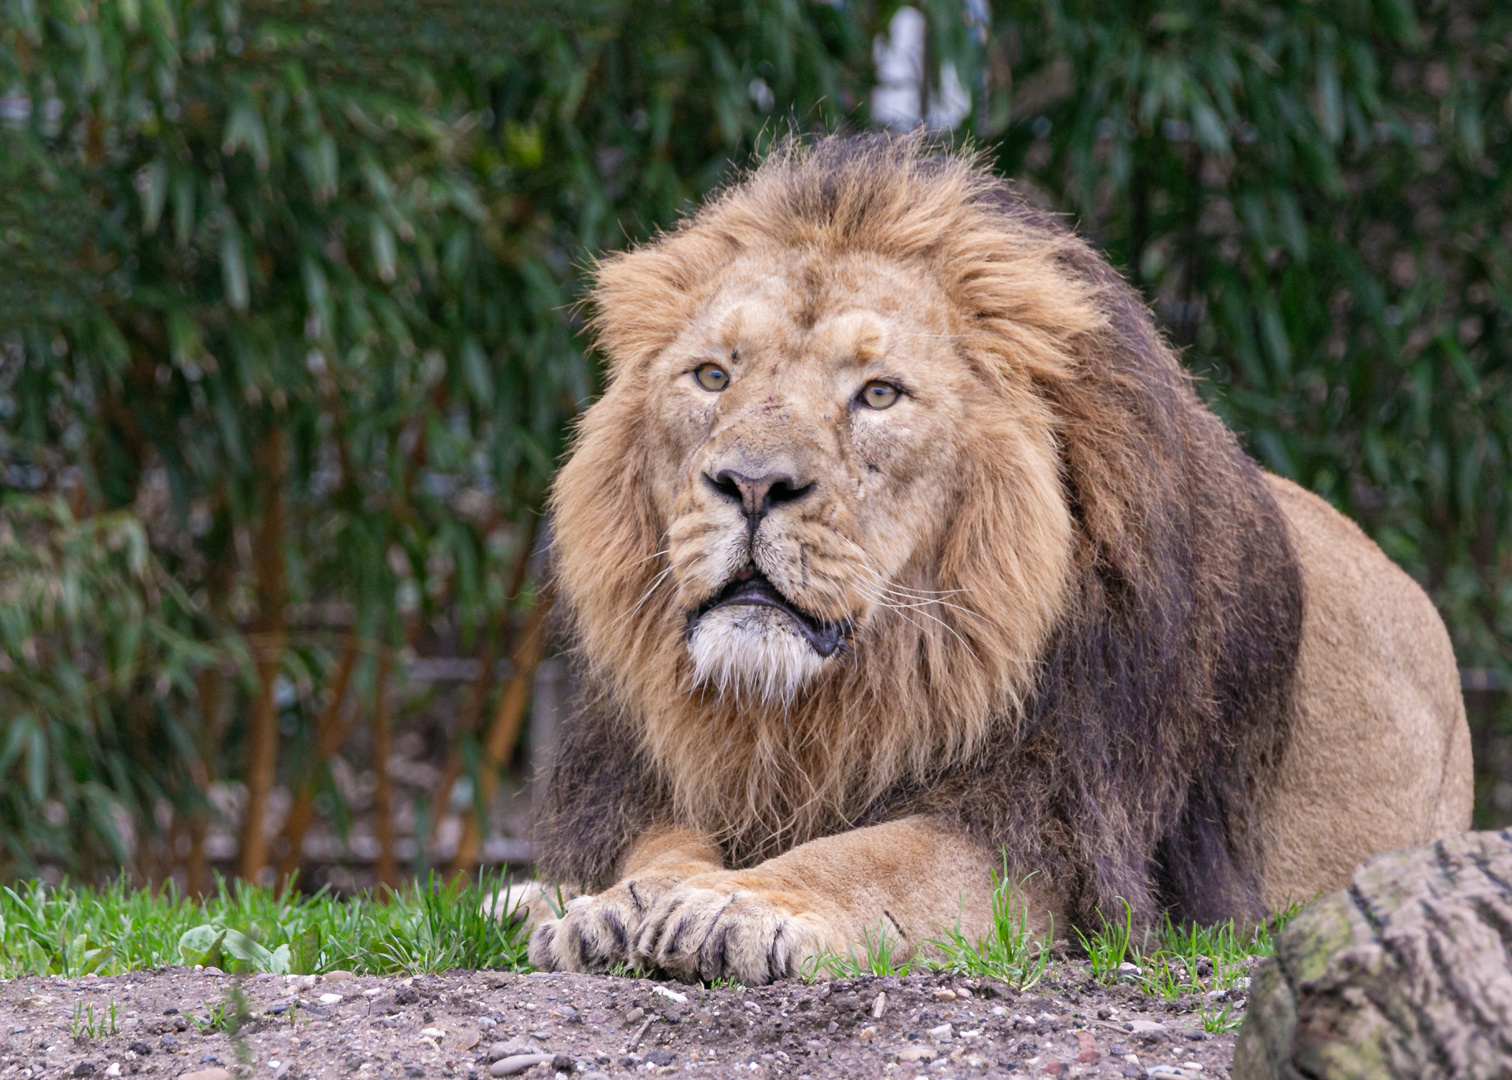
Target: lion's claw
<point x="595" y="933"/>
<point x="708" y="931"/>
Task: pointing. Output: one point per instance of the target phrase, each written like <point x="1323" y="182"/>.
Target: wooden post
<point x="383" y="790"/>
<point x="269" y="633"/>
<point x="198" y="879"/>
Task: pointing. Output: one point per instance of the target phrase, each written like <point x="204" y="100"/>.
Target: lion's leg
<point x="912" y="880"/>
<point x="1379" y="752"/>
<point x="597" y="932"/>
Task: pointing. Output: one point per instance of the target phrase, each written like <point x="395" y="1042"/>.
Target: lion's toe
<point x="593" y="935"/>
<point x="724" y="933"/>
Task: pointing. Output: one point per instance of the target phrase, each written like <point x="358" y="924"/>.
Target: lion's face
<point x="814" y="533"/>
<point x="808" y="427"/>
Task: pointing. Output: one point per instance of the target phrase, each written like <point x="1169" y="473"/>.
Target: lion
<point x="901" y="560"/>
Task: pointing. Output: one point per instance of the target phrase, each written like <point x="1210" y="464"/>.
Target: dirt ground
<point x="475" y="1024"/>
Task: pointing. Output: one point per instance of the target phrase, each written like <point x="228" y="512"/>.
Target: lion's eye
<point x="878" y="394"/>
<point x="712" y="377"/>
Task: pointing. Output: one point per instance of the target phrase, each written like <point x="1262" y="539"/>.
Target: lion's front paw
<point x="595" y="933"/>
<point x="716" y="926"/>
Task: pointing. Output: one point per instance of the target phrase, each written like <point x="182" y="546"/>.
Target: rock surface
<point x="1406" y="973"/>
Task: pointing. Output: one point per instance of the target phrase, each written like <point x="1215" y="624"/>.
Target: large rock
<point x="1406" y="973"/>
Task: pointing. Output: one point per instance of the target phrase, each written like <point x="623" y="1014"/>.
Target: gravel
<point x="474" y="1024"/>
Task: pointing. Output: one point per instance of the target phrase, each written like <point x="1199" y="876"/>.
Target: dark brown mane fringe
<point x="1160" y="706"/>
<point x="1163" y="703"/>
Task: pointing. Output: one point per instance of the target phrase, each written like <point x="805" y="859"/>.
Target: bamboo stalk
<point x="383" y="791"/>
<point x="504" y="731"/>
<point x="330" y="733"/>
<point x="267" y="647"/>
<point x="210" y="684"/>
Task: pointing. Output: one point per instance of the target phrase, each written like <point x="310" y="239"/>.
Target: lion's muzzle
<point x="757" y="591"/>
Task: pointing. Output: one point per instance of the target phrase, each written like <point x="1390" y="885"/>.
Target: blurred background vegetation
<point x="288" y="348"/>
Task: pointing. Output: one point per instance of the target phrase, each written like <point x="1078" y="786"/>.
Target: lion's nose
<point x="758" y="494"/>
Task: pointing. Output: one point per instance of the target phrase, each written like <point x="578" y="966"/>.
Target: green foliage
<point x="879" y="956"/>
<point x="422" y="929"/>
<point x="1107" y="947"/>
<point x="321" y="265"/>
<point x="85" y="1026"/>
<point x="323" y="260"/>
<point x="1009" y="951"/>
<point x="1315" y="198"/>
<point x="1220" y="1021"/>
<point x="98" y="650"/>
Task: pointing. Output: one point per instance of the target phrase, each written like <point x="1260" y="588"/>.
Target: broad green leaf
<point x="198" y="943"/>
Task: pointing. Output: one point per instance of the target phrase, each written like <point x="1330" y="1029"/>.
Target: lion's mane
<point x="1108" y="717"/>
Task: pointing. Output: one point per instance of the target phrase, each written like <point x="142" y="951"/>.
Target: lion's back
<point x="1378" y="756"/>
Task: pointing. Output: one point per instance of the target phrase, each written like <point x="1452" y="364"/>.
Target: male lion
<point x="899" y="553"/>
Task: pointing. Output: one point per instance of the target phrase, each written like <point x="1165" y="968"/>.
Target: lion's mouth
<point x="753" y="588"/>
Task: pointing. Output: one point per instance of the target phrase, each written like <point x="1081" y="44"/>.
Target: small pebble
<point x="113" y="1069"/>
<point x="879" y="1006"/>
<point x="432" y="1033"/>
<point x="942" y="1034"/>
<point x="337" y="976"/>
<point x="868" y="1034"/>
<point x="635" y="1015"/>
<point x="329" y="999"/>
<point x="512" y="1048"/>
<point x="517" y="1063"/>
<point x="944" y="994"/>
<point x="964" y="992"/>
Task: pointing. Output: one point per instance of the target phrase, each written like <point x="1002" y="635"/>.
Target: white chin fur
<point x="753" y="651"/>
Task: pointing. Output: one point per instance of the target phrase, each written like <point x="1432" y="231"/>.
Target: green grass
<point x="423" y="929"/>
<point x="87" y="1026"/>
<point x="438" y="927"/>
<point x="1174" y="961"/>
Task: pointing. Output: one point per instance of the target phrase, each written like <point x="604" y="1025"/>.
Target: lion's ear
<point x="645" y="298"/>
